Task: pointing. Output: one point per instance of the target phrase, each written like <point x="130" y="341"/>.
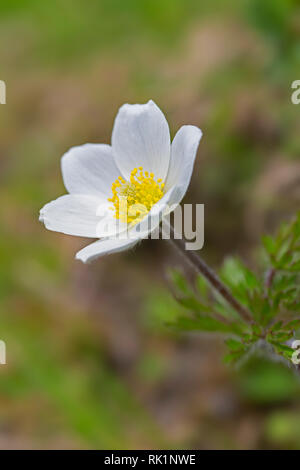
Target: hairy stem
<point x="269" y="277"/>
<point x="201" y="267"/>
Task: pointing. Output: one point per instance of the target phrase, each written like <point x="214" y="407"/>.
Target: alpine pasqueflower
<point x="115" y="189"/>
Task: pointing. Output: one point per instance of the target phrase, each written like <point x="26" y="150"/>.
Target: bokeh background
<point x="91" y="363"/>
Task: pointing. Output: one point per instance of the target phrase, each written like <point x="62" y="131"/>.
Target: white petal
<point x="183" y="152"/>
<point x="89" y="169"/>
<point x="129" y="239"/>
<point x="141" y="137"/>
<point x="154" y="217"/>
<point x="77" y="214"/>
<point x="104" y="247"/>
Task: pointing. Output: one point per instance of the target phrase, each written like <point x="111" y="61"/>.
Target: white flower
<point x="141" y="169"/>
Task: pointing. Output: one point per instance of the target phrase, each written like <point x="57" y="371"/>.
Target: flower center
<point x="133" y="199"/>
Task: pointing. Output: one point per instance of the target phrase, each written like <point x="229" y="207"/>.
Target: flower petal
<point x="183" y="153"/>
<point x="141" y="137"/>
<point x="127" y="240"/>
<point x="154" y="217"/>
<point x="89" y="169"/>
<point x="79" y="215"/>
<point x="104" y="247"/>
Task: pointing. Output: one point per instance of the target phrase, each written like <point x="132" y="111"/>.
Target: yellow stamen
<point x="133" y="199"/>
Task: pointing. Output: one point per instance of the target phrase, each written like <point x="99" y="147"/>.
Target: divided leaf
<point x="272" y="298"/>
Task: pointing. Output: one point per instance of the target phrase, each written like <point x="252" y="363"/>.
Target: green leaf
<point x="292" y="325"/>
<point x="266" y="303"/>
<point x="201" y="323"/>
<point x="179" y="281"/>
<point x="283" y="349"/>
<point x="261" y="309"/>
<point x="256" y="329"/>
<point x="283" y="281"/>
<point x="295" y="266"/>
<point x="236" y="274"/>
<point x="234" y="345"/>
<point x="193" y="304"/>
<point x="269" y="244"/>
<point x="283" y="254"/>
<point x="277" y="326"/>
<point x="233" y="357"/>
<point x="283" y="336"/>
<point x="201" y="285"/>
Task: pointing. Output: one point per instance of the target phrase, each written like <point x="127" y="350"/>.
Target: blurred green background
<point x="90" y="362"/>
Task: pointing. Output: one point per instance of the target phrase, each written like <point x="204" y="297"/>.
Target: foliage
<point x="272" y="296"/>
